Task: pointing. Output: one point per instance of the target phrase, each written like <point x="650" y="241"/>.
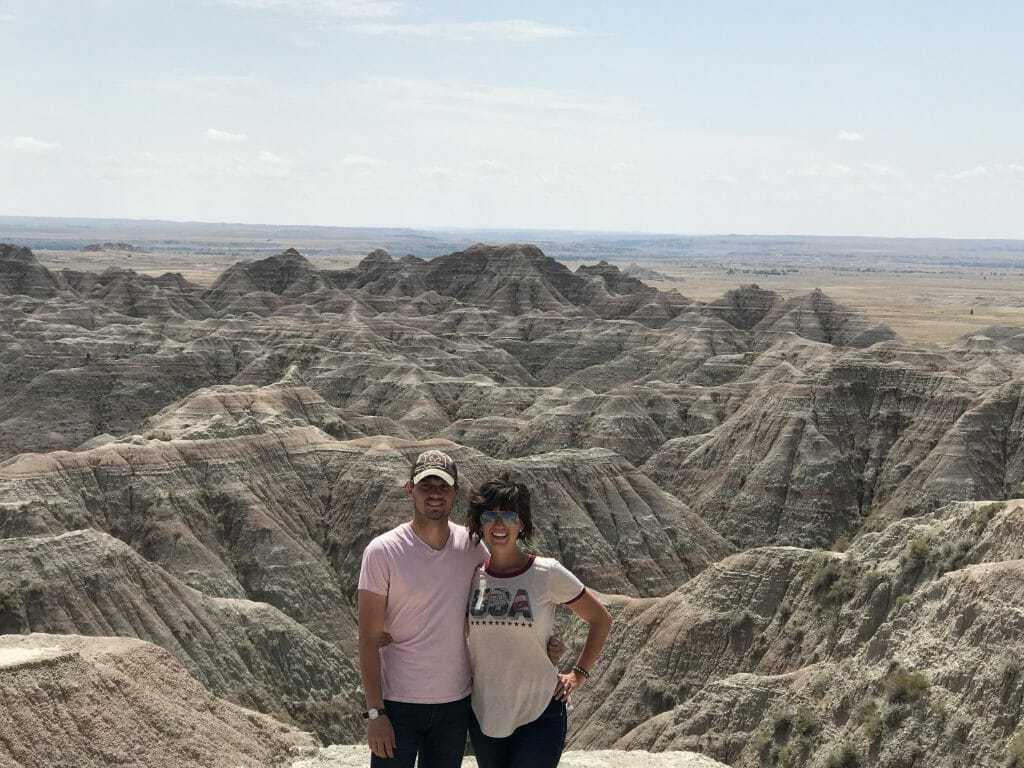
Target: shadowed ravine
<point x="804" y="526"/>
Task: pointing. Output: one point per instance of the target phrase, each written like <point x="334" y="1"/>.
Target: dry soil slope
<point x="92" y="702"/>
<point x="282" y="516"/>
<point x="903" y="651"/>
<point x="888" y="431"/>
<point x="89" y="583"/>
<point x="687" y="395"/>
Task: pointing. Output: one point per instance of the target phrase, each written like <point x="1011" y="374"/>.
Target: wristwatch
<point x="373" y="714"/>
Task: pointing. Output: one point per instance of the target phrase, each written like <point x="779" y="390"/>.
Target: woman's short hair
<point x="500" y="493"/>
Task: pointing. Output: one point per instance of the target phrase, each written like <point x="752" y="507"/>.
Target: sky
<point x="902" y="118"/>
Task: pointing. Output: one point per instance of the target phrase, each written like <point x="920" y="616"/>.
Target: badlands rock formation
<point x="200" y="468"/>
<point x="359" y="757"/>
<point x="902" y="651"/>
<point x="84" y="702"/>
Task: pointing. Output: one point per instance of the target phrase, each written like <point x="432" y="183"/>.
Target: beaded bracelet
<point x="580" y="671"/>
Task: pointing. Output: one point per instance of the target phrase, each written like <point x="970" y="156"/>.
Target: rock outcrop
<point x="92" y="702"/>
<point x="202" y="468"/>
<point x="359" y="757"/>
<point x="89" y="583"/>
<point x="903" y="650"/>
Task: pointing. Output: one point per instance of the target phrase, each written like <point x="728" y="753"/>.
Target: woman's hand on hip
<point x="566" y="685"/>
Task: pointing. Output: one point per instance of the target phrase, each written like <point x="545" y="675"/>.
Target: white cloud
<point x="184" y="84"/>
<point x="822" y="170"/>
<point x="861" y="172"/>
<point x="852" y="136"/>
<point x="473" y="97"/>
<point x="361" y="161"/>
<point x="6" y="17"/>
<point x="29" y="145"/>
<point x="346" y="9"/>
<point x="1010" y="171"/>
<point x="269" y="165"/>
<point x="719" y="178"/>
<point x="513" y="30"/>
<point x="494" y="168"/>
<point x="436" y="173"/>
<point x="224" y="136"/>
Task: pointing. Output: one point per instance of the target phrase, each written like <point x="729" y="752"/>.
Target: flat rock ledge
<point x="359" y="757"/>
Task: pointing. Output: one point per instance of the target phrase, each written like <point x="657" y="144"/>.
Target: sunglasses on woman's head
<point x="489" y="516"/>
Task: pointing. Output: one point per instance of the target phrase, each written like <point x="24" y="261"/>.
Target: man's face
<point x="432" y="497"/>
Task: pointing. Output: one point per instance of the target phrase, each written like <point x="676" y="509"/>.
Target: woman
<point x="519" y="697"/>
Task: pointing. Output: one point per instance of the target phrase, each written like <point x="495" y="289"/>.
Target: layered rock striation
<point x="763" y="488"/>
<point x="92" y="702"/>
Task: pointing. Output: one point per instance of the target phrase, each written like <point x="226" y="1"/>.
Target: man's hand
<point x="380" y="735"/>
<point x="555" y="649"/>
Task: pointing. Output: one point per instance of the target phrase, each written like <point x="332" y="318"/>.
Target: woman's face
<point x="500" y="527"/>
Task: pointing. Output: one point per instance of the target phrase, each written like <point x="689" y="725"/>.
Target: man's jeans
<point x="435" y="732"/>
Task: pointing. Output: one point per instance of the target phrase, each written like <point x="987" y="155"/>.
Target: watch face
<point x="373" y="714"/>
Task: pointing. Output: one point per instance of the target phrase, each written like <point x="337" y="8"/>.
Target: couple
<point x="446" y="611"/>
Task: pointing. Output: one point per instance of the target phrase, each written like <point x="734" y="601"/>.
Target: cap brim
<point x="433" y="472"/>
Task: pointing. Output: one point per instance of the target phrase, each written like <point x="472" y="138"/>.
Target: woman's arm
<point x="599" y="623"/>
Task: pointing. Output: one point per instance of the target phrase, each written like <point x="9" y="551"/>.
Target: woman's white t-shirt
<point x="510" y="618"/>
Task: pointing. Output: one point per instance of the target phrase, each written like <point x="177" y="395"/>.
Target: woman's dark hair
<point x="501" y="493"/>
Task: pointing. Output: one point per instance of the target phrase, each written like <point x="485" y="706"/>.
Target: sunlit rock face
<point x="201" y="468"/>
<point x="99" y="701"/>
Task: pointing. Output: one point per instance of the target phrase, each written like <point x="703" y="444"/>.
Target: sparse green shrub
<point x="759" y="742"/>
<point x="832" y="583"/>
<point x="787" y="756"/>
<point x="844" y="757"/>
<point x="870" y="718"/>
<point x="989" y="509"/>
<point x="1015" y="749"/>
<point x="804" y="720"/>
<point x="782" y="727"/>
<point x="894" y="715"/>
<point x="902" y="600"/>
<point x="842" y="543"/>
<point x="940" y="711"/>
<point x="785" y="611"/>
<point x="875" y="522"/>
<point x="903" y="687"/>
<point x="918" y="551"/>
<point x="959" y="730"/>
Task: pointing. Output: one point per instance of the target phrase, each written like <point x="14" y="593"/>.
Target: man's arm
<point x="380" y="733"/>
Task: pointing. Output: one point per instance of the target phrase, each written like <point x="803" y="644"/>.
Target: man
<point x="413" y="587"/>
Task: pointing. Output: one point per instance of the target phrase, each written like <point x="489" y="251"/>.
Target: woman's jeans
<point x="534" y="745"/>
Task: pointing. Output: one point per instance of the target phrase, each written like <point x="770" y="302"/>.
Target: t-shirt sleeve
<point x="483" y="553"/>
<point x="374" y="574"/>
<point x="563" y="586"/>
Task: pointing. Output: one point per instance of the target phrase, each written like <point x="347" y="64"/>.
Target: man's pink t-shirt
<point x="426" y="588"/>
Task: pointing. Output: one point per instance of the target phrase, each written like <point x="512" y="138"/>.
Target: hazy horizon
<point x="853" y="120"/>
<point x="558" y="231"/>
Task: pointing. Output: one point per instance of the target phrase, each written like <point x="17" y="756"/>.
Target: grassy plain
<point x="922" y="306"/>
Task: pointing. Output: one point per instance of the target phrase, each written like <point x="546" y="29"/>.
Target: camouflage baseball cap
<point x="437" y="464"/>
